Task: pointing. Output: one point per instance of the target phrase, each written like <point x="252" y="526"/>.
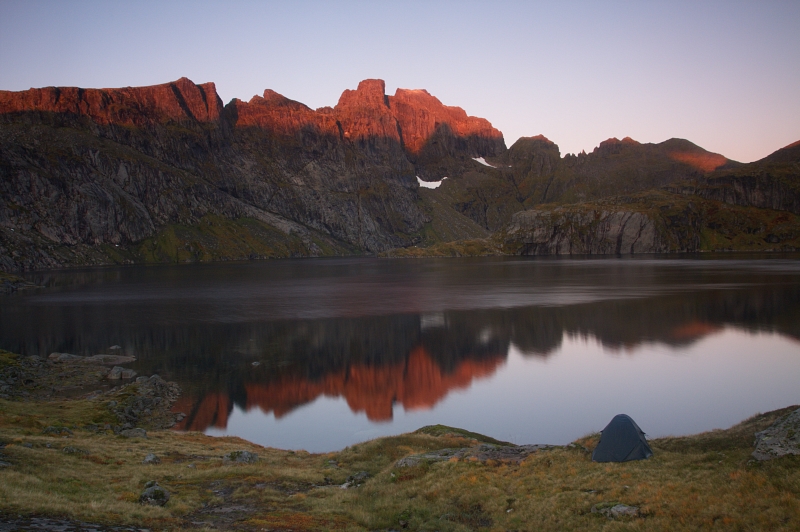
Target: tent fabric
<point x="622" y="440"/>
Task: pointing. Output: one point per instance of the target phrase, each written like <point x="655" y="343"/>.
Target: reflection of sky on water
<point x="713" y="383"/>
<point x="350" y="349"/>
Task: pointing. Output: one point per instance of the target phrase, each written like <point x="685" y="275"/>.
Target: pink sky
<point x="723" y="74"/>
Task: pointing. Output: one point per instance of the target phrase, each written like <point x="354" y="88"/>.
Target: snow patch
<point x="483" y="162"/>
<point x="430" y="184"/>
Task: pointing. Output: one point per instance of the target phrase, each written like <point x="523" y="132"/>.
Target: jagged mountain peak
<point x="371" y="93"/>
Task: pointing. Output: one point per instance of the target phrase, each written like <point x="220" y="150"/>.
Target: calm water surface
<point x="320" y="354"/>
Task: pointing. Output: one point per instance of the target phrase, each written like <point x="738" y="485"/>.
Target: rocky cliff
<point x="590" y="232"/>
<point x="167" y="173"/>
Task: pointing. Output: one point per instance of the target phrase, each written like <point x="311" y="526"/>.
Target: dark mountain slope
<point x="166" y="172"/>
<point x="532" y="172"/>
<point x="753" y="207"/>
<point x="771" y="183"/>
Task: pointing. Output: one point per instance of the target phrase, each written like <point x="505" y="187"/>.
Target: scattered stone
<point x="133" y="433"/>
<point x="128" y="374"/>
<point x="256" y="364"/>
<point x="192" y="466"/>
<point x="149" y="403"/>
<point x="109" y="360"/>
<point x="354" y="481"/>
<point x="64" y="357"/>
<point x="615" y="511"/>
<point x="480" y="453"/>
<point x="151" y="459"/>
<point x="74" y="450"/>
<point x="115" y="348"/>
<point x="116" y="373"/>
<point x="28" y="445"/>
<point x="57" y="431"/>
<point x="241" y="457"/>
<point x="782" y="438"/>
<point x="154" y="494"/>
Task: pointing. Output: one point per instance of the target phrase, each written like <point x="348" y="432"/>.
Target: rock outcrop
<point x="599" y="231"/>
<point x="781" y="439"/>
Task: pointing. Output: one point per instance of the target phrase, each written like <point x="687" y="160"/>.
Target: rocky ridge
<point x="168" y="173"/>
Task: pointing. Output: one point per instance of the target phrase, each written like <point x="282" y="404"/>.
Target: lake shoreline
<point x="51" y="443"/>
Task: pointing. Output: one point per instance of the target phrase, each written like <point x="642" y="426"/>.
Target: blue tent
<point x="622" y="440"/>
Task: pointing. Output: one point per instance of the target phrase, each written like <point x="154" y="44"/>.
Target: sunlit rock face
<point x="419" y="114"/>
<point x="166" y="173"/>
<point x="150" y="170"/>
<point x="178" y="101"/>
<point x="365" y="115"/>
<point x="440" y="140"/>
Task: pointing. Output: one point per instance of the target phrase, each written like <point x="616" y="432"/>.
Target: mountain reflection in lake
<point x="320" y="354"/>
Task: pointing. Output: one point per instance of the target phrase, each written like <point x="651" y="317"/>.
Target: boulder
<point x="65" y="357"/>
<point x="57" y="431"/>
<point x="133" y="433"/>
<point x="354" y="481"/>
<point x="615" y="511"/>
<point x="154" y="495"/>
<point x="241" y="457"/>
<point x="151" y="459"/>
<point x="109" y="360"/>
<point x="74" y="450"/>
<point x="782" y="438"/>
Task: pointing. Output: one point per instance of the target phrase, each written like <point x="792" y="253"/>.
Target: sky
<point x="722" y="74"/>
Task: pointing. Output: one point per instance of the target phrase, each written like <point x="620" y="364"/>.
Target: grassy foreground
<point x="702" y="482"/>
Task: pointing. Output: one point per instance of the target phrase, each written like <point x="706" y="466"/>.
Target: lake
<point x="319" y="354"/>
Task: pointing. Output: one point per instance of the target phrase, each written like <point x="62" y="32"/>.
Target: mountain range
<point x="168" y="173"/>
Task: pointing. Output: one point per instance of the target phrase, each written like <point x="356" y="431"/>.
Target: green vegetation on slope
<point x="216" y="238"/>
